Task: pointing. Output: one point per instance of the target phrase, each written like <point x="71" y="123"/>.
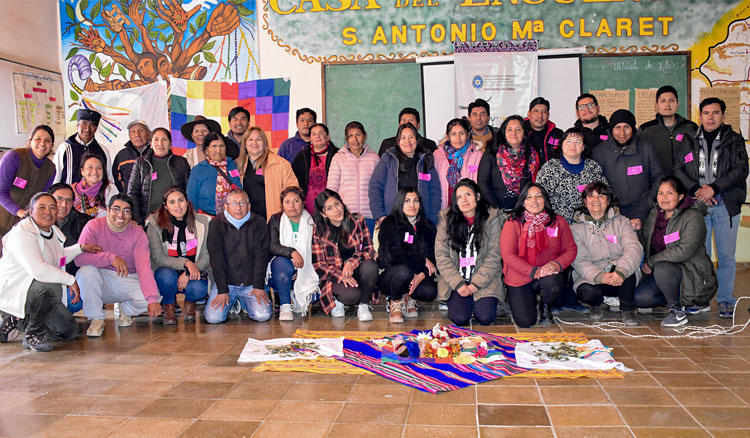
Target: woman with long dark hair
<point x="536" y="246"/>
<point x="342" y="255"/>
<point x="93" y="191"/>
<point x="468" y="256"/>
<point x="407" y="253"/>
<point x="608" y="253"/>
<point x="504" y="171"/>
<point x="458" y="157"/>
<point x="179" y="254"/>
<point x="404" y="165"/>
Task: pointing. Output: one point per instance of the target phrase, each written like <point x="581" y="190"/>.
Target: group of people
<point x="542" y="218"/>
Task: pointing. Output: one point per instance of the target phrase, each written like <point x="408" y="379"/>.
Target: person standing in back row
<point x="410" y="116"/>
<point x="594" y="125"/>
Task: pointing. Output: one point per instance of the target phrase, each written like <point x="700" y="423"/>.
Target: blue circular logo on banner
<point x="477" y="82"/>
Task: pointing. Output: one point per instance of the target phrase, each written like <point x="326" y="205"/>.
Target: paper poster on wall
<point x="502" y="73"/>
<point x="611" y="100"/>
<point x="645" y="100"/>
<point x="38" y="100"/>
<point x="730" y="96"/>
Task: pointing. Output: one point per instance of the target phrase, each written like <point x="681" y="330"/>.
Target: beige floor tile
<point x="305" y="412"/>
<point x="210" y="390"/>
<point x="584" y="395"/>
<point x="509" y="415"/>
<point x="661" y="416"/>
<point x="377" y="413"/>
<point x="350" y="430"/>
<point x="176" y="408"/>
<point x="380" y="394"/>
<point x="583" y="416"/>
<point x="660" y="432"/>
<point x="412" y="431"/>
<point x="686" y="380"/>
<point x="220" y="429"/>
<point x="711" y="397"/>
<point x="639" y="396"/>
<point x="593" y="432"/>
<point x="241" y="410"/>
<point x="458" y="397"/>
<point x="319" y="391"/>
<point x="76" y="426"/>
<point x="150" y="389"/>
<point x="453" y="415"/>
<point x="515" y="432"/>
<point x="724" y="417"/>
<point x="522" y="395"/>
<point x="271" y="429"/>
<point x="26" y="424"/>
<point x="151" y="428"/>
<point x="113" y="406"/>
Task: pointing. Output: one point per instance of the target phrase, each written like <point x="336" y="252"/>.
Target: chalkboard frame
<point x="688" y="68"/>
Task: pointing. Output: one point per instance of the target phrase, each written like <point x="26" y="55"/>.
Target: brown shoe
<point x="169" y="318"/>
<point x="188" y="309"/>
<point x="395" y="313"/>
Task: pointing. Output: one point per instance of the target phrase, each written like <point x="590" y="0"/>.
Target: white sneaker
<point x="124" y="320"/>
<point x="96" y="328"/>
<point x="443" y="306"/>
<point x="285" y="313"/>
<point x="363" y="313"/>
<point x="338" y="311"/>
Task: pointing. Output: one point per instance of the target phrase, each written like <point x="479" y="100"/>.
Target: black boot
<point x="545" y="314"/>
<point x="9" y="324"/>
<point x="36" y="342"/>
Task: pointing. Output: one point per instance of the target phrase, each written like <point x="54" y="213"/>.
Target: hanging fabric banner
<point x="504" y="73"/>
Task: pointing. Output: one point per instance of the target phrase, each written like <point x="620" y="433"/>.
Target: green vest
<point x="32" y="179"/>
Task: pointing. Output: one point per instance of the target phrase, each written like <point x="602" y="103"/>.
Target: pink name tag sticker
<point x="235" y="173"/>
<point x="63" y="261"/>
<point x="552" y="232"/>
<point x="424" y="176"/>
<point x="473" y="169"/>
<point x="408" y="238"/>
<point x="689" y="157"/>
<point x="612" y="238"/>
<point x="671" y="237"/>
<point x="259" y="171"/>
<point x="190" y="244"/>
<point x="554" y="141"/>
<point x="20" y="182"/>
<point x="154" y="176"/>
<point x="635" y="170"/>
<point x="581" y="187"/>
<point x="603" y="137"/>
<point x="678" y="137"/>
<point x="465" y="262"/>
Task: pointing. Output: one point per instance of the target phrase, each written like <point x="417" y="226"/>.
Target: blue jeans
<point x="282" y="271"/>
<point x="166" y="281"/>
<point x="726" y="247"/>
<point x="248" y="302"/>
<point x="73" y="307"/>
<point x="370" y="225"/>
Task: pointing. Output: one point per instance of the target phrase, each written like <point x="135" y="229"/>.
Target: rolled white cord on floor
<point x="688" y="331"/>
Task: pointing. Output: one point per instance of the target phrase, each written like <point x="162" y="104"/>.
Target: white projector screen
<point x="559" y="82"/>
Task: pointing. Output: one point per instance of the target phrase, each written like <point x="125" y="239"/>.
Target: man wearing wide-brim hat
<point x="196" y="131"/>
<point x="68" y="155"/>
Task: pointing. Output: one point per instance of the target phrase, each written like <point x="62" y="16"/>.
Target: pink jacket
<point x="349" y="176"/>
<point x="469" y="170"/>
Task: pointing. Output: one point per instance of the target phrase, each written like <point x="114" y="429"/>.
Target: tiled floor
<point x="183" y="381"/>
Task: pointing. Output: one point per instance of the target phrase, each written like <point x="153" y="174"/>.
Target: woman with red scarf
<point x="536" y="246"/>
<point x="311" y="164"/>
<point x="505" y="170"/>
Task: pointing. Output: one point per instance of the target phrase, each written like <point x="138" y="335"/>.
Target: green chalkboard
<point x="372" y="94"/>
<point x="628" y="72"/>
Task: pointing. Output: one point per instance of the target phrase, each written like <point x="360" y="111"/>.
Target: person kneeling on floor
<point x="32" y="278"/>
<point x="238" y="250"/>
<point x="121" y="273"/>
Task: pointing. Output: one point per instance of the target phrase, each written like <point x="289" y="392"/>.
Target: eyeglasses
<point x="586" y="105"/>
<point x="65" y="200"/>
<point x="124" y="211"/>
<point x="238" y="204"/>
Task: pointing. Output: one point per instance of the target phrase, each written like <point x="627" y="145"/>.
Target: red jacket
<point x="560" y="248"/>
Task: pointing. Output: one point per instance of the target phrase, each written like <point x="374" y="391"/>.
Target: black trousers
<point x="395" y="282"/>
<point x="46" y="315"/>
<point x="461" y="308"/>
<point x="366" y="275"/>
<point x="523" y="298"/>
<point x="660" y="288"/>
<point x="593" y="294"/>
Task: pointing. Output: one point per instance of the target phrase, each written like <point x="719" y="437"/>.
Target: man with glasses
<point x="238" y="246"/>
<point x="594" y="125"/>
<point x="121" y="272"/>
<point x="69" y="220"/>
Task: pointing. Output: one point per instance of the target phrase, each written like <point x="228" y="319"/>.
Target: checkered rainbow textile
<point x="267" y="100"/>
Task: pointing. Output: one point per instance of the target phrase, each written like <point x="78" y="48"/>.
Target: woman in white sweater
<point x="32" y="278"/>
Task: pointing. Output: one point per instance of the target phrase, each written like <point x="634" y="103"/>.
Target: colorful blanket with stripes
<point x="435" y="377"/>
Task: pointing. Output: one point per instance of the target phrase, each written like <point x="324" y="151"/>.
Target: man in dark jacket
<point x="541" y="133"/>
<point x="713" y="166"/>
<point x="408" y="115"/>
<point x="139" y="136"/>
<point x="238" y="245"/>
<point x="631" y="166"/>
<point x="239" y="120"/>
<point x="594" y="126"/>
<point x="69" y="220"/>
<point x="481" y="131"/>
<point x="291" y="146"/>
<point x="668" y="129"/>
<point x="68" y="155"/>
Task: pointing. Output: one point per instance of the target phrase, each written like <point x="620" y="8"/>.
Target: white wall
<point x="30" y="33"/>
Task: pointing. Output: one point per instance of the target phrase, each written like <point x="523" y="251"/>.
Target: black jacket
<point x="394" y="248"/>
<point x="491" y="184"/>
<point x="139" y="188"/>
<point x="731" y="172"/>
<point x="238" y="257"/>
<point x="633" y="173"/>
<point x="666" y="142"/>
<point x="72" y="230"/>
<point x="550" y="146"/>
<point x="303" y="160"/>
<point x="123" y="165"/>
<point x="594" y="136"/>
<point x="424" y="144"/>
<point x="274" y="231"/>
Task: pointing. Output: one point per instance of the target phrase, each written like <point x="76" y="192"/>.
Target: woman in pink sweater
<point x="536" y="246"/>
<point x="457" y="158"/>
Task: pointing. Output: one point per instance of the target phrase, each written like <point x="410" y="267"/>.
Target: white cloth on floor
<point x="257" y="351"/>
<point x="591" y="356"/>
